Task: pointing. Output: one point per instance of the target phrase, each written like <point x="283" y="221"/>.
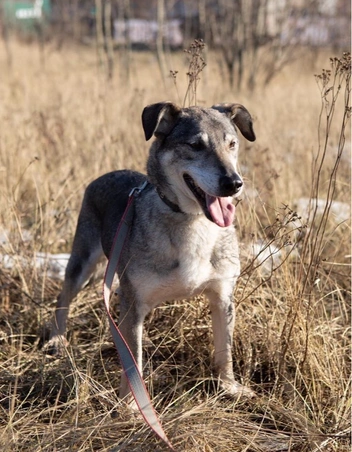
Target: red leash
<point x="134" y="378"/>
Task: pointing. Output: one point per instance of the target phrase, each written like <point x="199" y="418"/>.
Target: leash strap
<point x="129" y="365"/>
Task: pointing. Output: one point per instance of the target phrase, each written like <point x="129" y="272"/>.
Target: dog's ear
<point x="159" y="119"/>
<point x="240" y="116"/>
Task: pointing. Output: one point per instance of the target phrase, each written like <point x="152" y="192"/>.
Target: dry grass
<point x="62" y="125"/>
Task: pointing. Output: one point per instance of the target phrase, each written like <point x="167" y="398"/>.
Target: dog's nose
<point x="230" y="185"/>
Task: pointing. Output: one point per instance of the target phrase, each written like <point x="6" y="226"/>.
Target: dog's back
<point x="105" y="200"/>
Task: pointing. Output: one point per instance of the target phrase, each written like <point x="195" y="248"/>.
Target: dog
<point x="182" y="241"/>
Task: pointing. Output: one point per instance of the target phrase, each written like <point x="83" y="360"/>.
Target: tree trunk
<point x="160" y="39"/>
<point x="5" y="36"/>
<point x="99" y="32"/>
<point x="109" y="44"/>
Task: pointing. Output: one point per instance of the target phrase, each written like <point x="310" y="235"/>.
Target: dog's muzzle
<point x="218" y="209"/>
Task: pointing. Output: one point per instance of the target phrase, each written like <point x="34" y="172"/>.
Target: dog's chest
<point x="184" y="262"/>
<point x="193" y="258"/>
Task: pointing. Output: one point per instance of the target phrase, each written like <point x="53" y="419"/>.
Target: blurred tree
<point x="104" y="36"/>
<point x="5" y="35"/>
<point x="160" y="38"/>
<point x="255" y="36"/>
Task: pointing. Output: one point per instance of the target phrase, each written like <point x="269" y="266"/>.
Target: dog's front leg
<point x="223" y="320"/>
<point x="131" y="327"/>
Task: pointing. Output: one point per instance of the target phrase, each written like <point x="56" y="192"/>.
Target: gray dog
<point x="182" y="241"/>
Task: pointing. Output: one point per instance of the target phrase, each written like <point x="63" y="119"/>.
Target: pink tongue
<point x="221" y="210"/>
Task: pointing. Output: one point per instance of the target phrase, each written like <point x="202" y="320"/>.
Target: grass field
<point x="61" y="125"/>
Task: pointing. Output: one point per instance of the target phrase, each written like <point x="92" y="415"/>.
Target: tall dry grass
<point x="62" y="125"/>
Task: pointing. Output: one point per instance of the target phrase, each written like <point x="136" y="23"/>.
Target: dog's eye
<point x="232" y="144"/>
<point x="196" y="146"/>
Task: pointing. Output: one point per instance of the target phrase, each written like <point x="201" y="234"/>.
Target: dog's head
<point x="194" y="157"/>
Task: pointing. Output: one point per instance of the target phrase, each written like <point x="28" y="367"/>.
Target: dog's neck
<point x="174" y="207"/>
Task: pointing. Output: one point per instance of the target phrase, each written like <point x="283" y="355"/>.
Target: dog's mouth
<point x="219" y="210"/>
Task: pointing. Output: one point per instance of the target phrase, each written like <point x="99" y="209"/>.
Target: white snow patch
<point x="340" y="211"/>
<point x="54" y="265"/>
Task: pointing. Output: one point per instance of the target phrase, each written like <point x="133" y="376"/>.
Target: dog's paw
<point x="56" y="346"/>
<point x="235" y="390"/>
<point x="131" y="405"/>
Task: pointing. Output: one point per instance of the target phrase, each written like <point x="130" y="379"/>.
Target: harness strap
<point x="130" y="368"/>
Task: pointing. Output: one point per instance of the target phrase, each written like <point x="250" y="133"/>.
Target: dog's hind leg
<point x="86" y="253"/>
<point x="223" y="320"/>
